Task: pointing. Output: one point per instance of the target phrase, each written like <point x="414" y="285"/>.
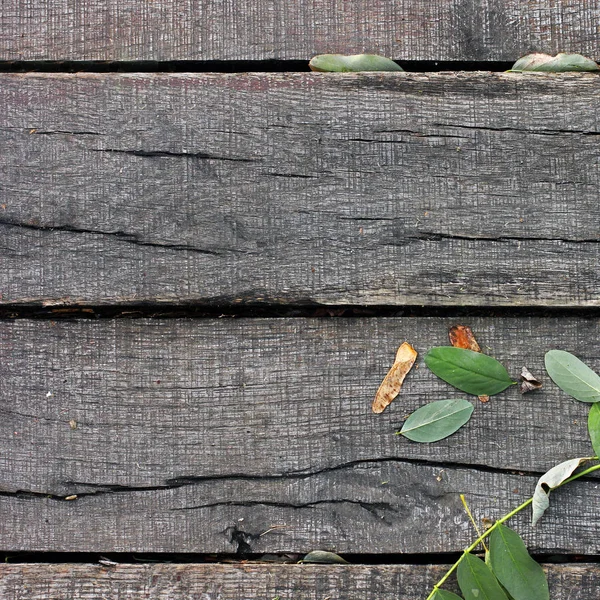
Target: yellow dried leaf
<point x="391" y="384"/>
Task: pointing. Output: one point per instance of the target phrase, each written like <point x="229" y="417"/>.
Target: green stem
<point x="475" y="544"/>
<point x="499" y="522"/>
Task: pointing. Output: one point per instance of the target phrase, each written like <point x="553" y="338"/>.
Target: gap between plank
<point x="277" y="558"/>
<point x="264" y="311"/>
<point x="234" y="66"/>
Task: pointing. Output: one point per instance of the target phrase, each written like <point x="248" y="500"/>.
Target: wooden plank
<point x="254" y="581"/>
<point x="447" y="189"/>
<point x="383" y="507"/>
<point x="456" y="30"/>
<point x="201" y="435"/>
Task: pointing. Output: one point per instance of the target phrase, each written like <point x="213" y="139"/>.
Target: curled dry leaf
<point x="461" y="336"/>
<point x="560" y="63"/>
<point x="339" y="63"/>
<point x="554" y="478"/>
<point x="529" y="383"/>
<point x="391" y="384"/>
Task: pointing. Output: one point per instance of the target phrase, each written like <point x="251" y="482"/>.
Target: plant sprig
<point x="508" y="565"/>
<point x="499" y="522"/>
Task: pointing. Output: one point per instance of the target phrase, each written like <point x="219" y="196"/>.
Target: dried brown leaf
<point x="392" y="382"/>
<point x="529" y="383"/>
<point x="461" y="336"/>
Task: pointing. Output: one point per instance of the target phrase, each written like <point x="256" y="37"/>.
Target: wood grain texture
<point x="264" y="29"/>
<point x="200" y="436"/>
<point x="445" y="189"/>
<point x="254" y="581"/>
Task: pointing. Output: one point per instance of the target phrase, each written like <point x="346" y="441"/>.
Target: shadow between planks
<point x="255" y="582"/>
<point x="449" y="189"/>
<point x="266" y="30"/>
<point x="256" y="435"/>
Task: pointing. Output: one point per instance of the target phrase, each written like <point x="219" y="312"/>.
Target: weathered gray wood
<point x="265" y="29"/>
<point x="390" y="506"/>
<point x="254" y="581"/>
<point x="199" y="436"/>
<point x="383" y="189"/>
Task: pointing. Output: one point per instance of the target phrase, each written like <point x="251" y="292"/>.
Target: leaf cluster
<point x="508" y="572"/>
<point x="470" y="372"/>
<point x="575" y="378"/>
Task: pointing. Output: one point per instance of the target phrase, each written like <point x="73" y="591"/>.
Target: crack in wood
<point x="371" y="507"/>
<point x="187" y="481"/>
<point x="436" y="237"/>
<point x="121" y="236"/>
<point x="411" y="132"/>
<point x="8" y="411"/>
<point x="62" y="132"/>
<point x="294" y="175"/>
<point x="517" y="130"/>
<point x="170" y="154"/>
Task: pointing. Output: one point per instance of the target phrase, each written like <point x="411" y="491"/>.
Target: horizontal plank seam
<point x="115" y="559"/>
<point x="199" y="311"/>
<point x="230" y="66"/>
<point x="13" y="560"/>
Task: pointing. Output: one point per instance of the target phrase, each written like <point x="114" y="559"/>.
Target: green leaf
<point x="573" y="376"/>
<point x="320" y="556"/>
<point x="476" y="580"/>
<point x="522" y="577"/>
<point x="445" y="595"/>
<point x="594" y="427"/>
<point x="550" y="481"/>
<point x="436" y="420"/>
<point x="469" y="371"/>
<point x="560" y="63"/>
<point x="340" y="63"/>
